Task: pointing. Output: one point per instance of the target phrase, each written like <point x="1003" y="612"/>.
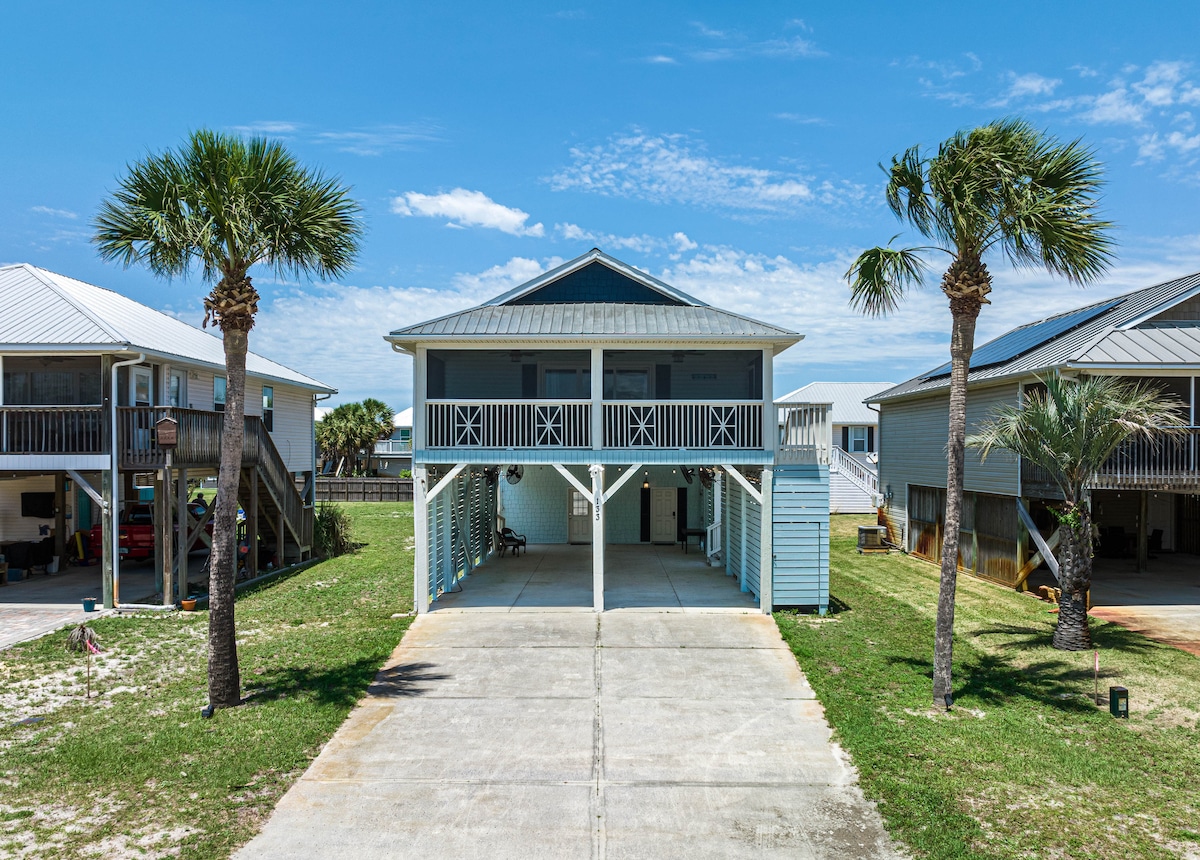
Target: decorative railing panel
<point x="508" y="424"/>
<point x="1168" y="461"/>
<point x="52" y="430"/>
<point x="676" y="424"/>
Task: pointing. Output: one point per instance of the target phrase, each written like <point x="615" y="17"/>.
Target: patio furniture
<point x="508" y="539"/>
<point x="700" y="534"/>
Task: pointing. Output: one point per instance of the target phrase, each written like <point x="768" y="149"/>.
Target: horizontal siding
<point x="293" y="422"/>
<point x="800" y="536"/>
<point x="845" y="497"/>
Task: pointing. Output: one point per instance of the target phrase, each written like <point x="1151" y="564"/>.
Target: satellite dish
<point x="687" y="473"/>
<point x="514" y="473"/>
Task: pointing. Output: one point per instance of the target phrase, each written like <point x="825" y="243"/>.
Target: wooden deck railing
<point x="1165" y="462"/>
<point x="681" y="424"/>
<point x="53" y="430"/>
<point x="199" y="437"/>
<point x="508" y="424"/>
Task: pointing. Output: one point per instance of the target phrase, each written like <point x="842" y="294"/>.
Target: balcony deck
<point x="1165" y="463"/>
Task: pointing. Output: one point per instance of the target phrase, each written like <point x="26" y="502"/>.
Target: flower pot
<point x="89" y="604"/>
<point x="188" y="604"/>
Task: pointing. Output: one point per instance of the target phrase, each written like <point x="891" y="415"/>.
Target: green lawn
<point x="135" y="771"/>
<point x="1025" y="765"/>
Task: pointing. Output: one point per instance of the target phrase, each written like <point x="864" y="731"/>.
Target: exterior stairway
<point x="855" y="472"/>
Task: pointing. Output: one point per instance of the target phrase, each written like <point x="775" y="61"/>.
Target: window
<point x="858" y="439"/>
<point x="567" y="383"/>
<point x="51" y="381"/>
<point x="268" y="407"/>
<point x="627" y="384"/>
<point x="219" y="384"/>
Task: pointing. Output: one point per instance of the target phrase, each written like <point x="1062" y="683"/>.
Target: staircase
<point x="268" y="491"/>
<point x="855" y="472"/>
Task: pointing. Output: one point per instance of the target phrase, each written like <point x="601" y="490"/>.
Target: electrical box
<point x="1118" y="702"/>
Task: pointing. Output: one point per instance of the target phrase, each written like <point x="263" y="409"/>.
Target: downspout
<point x="116" y="490"/>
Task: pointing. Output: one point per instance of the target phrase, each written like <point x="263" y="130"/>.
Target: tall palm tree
<point x="378" y="417"/>
<point x="1003" y="187"/>
<point x="227" y="204"/>
<point x="1070" y="429"/>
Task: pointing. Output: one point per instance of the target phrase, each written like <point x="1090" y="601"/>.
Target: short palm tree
<point x="1001" y="188"/>
<point x="228" y="204"/>
<point x="1070" y="429"/>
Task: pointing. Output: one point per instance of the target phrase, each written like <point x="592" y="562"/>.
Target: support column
<point x="252" y="528"/>
<point x="165" y="543"/>
<point x="107" y="490"/>
<point x="742" y="500"/>
<point x="597" y="397"/>
<point x="597" y="536"/>
<point x="60" y="519"/>
<point x="421" y="538"/>
<point x="766" y="563"/>
<point x="1143" y="548"/>
<point x="185" y="529"/>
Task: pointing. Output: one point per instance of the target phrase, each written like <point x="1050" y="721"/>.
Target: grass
<point x="135" y="771"/>
<point x="1025" y="765"/>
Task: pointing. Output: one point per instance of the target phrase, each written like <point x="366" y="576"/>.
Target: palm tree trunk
<point x="1075" y="576"/>
<point x="224" y="681"/>
<point x="965" y="310"/>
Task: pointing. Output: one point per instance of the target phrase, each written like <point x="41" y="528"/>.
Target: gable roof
<point x="1117" y="332"/>
<point x="847" y="399"/>
<point x="622" y="304"/>
<point x="43" y="311"/>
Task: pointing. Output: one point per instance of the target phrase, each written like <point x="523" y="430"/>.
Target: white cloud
<point x="54" y="213"/>
<point x="643" y="244"/>
<point x="369" y="140"/>
<point x="732" y="45"/>
<point x="801" y="119"/>
<point x="1030" y="84"/>
<point x="663" y="60"/>
<point x="1114" y="106"/>
<point x="466" y="208"/>
<point x="671" y="169"/>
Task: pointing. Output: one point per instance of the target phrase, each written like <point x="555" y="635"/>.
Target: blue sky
<point x="729" y="149"/>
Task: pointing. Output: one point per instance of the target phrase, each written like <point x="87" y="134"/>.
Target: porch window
<point x="268" y="407"/>
<point x="52" y="381"/>
<point x="627" y="384"/>
<point x="219" y="385"/>
<point x="566" y="383"/>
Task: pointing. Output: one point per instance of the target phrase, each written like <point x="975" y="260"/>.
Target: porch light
<point x="646" y="481"/>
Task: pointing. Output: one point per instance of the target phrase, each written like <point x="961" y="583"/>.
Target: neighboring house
<point x="88" y="374"/>
<point x="853" y="477"/>
<point x="596" y="404"/>
<point x="394" y="456"/>
<point x="1146" y="496"/>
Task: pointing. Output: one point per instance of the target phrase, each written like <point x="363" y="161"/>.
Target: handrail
<point x="855" y="471"/>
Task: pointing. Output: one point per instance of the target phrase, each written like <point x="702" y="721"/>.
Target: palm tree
<point x="228" y="204"/>
<point x="378" y="422"/>
<point x="1070" y="429"/>
<point x="1002" y="187"/>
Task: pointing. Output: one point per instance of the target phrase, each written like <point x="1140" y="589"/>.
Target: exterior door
<point x="140" y="390"/>
<point x="579" y="518"/>
<point x="663" y="501"/>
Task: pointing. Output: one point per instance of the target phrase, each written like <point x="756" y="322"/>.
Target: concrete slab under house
<point x="603" y="416"/>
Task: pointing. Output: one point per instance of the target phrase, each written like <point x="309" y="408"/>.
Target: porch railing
<point x="805" y="433"/>
<point x="394" y="446"/>
<point x="52" y="430"/>
<point x="509" y="424"/>
<point x="199" y="437"/>
<point x="1165" y="462"/>
<point x="681" y="424"/>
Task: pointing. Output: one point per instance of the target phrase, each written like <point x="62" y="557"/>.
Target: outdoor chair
<point x="508" y="539"/>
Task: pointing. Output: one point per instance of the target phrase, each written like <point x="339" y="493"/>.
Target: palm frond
<point x="880" y="277"/>
<point x="906" y="193"/>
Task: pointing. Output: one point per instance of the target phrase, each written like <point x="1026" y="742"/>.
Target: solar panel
<point x="1028" y="338"/>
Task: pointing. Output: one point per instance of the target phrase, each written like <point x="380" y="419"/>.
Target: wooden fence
<point x="364" y="490"/>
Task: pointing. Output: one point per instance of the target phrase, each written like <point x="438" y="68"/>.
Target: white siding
<point x="912" y="447"/>
<point x="293" y="422"/>
<point x="13" y="526"/>
<point x="845" y="497"/>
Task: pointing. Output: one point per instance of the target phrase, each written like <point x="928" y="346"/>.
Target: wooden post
<point x="280" y="542"/>
<point x="252" y="527"/>
<point x="60" y="518"/>
<point x="421" y="543"/>
<point x="1143" y="548"/>
<point x="597" y="536"/>
<point x="107" y="491"/>
<point x="164" y="545"/>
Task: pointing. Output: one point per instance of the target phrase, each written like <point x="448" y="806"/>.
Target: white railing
<point x="394" y="446"/>
<point x="682" y="424"/>
<point x="855" y="471"/>
<point x="508" y="424"/>
<point x="805" y="434"/>
<point x="1165" y="462"/>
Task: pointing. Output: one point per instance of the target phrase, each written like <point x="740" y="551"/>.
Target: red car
<point x="135" y="532"/>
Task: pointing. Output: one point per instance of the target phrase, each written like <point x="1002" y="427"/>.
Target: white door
<point x="662" y="514"/>
<point x="177" y="389"/>
<point x="579" y="518"/>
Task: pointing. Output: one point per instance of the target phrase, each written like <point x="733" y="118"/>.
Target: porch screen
<point x="52" y="381"/>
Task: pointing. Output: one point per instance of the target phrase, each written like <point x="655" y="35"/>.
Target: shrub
<point x="331" y="530"/>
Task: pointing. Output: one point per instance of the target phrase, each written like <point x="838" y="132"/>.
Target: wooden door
<point x="579" y="518"/>
<point x="662" y="515"/>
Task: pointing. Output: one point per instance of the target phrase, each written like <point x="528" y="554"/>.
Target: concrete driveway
<point x="574" y="735"/>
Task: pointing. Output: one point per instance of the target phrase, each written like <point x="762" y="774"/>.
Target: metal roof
<point x="847" y="399"/>
<point x="1084" y="344"/>
<point x="610" y="321"/>
<point x="46" y="311"/>
<point x="1176" y="345"/>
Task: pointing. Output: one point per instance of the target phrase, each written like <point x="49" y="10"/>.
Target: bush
<point x="406" y="473"/>
<point x="331" y="531"/>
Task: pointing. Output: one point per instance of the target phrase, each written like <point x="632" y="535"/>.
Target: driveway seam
<point x="599" y="838"/>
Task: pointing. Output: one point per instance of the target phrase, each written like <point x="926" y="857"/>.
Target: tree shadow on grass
<point x="990" y="680"/>
<point x="345" y="684"/>
<point x="1106" y="636"/>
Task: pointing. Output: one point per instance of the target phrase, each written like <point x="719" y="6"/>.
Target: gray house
<point x="1144" y="499"/>
<point x="596" y="405"/>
